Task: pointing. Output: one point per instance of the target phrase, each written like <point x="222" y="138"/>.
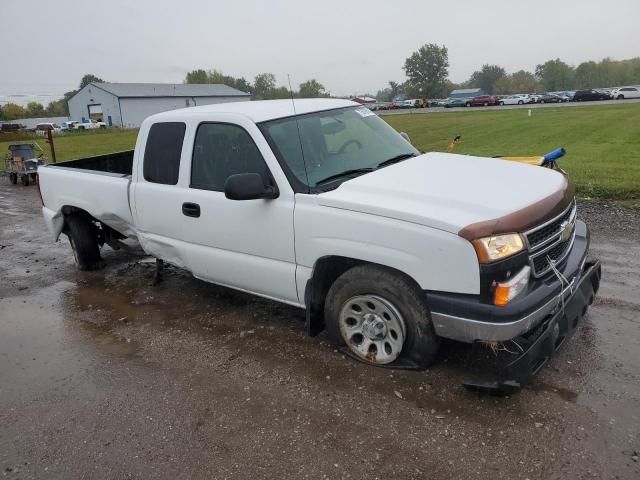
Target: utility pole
<point x="49" y="140"/>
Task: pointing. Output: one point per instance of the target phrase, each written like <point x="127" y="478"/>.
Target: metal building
<point x="128" y="104"/>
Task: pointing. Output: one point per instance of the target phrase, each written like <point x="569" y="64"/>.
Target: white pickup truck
<point x="89" y="125"/>
<point x="322" y="205"/>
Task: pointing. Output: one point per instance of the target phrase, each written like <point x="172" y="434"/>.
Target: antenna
<point x="293" y="103"/>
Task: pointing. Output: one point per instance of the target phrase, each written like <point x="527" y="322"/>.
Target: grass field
<point x="82" y="144"/>
<point x="602" y="142"/>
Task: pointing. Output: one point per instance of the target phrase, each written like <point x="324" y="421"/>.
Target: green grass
<point x="602" y="142"/>
<point x="82" y="144"/>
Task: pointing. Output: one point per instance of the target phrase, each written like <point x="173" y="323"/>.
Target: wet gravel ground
<point x="104" y="376"/>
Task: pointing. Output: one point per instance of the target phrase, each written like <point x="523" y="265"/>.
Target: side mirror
<point x="248" y="186"/>
<point x="405" y="136"/>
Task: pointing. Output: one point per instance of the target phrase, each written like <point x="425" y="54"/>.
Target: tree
<point x="12" y="111"/>
<point x="311" y="89"/>
<point x="555" y="75"/>
<point x="197" y="76"/>
<point x="34" y="109"/>
<point x="57" y="108"/>
<point x="427" y="69"/>
<point x="518" y="82"/>
<point x="89" y="78"/>
<point x="264" y="85"/>
<point x="487" y="77"/>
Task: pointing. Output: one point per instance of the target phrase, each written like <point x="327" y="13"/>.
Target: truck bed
<point x="118" y="162"/>
<point x="99" y="185"/>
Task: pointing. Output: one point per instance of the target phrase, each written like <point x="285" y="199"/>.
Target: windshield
<point x="348" y="141"/>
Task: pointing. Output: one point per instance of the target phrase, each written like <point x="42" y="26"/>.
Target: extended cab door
<point x="245" y="244"/>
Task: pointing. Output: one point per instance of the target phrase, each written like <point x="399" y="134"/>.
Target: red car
<point x="483" y="100"/>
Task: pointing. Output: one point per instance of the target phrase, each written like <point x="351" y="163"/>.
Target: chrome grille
<point x="551" y="241"/>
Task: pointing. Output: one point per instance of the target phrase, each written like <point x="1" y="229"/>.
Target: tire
<point x="24" y="179"/>
<point x="84" y="242"/>
<point x="520" y="102"/>
<point x="80" y="128"/>
<point x="373" y="305"/>
<point x="541" y="101"/>
<point x="485" y="104"/>
<point x="13" y="178"/>
<point x="467" y="104"/>
<point x="502" y="104"/>
<point x="620" y="97"/>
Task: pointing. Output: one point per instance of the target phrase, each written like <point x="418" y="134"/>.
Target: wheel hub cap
<point x="373" y="328"/>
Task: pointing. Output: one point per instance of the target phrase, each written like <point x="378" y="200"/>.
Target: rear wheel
<point x="24" y="179"/>
<point x="84" y="242"/>
<point x="381" y="316"/>
<point x="467" y="104"/>
<point x="520" y="102"/>
<point x="620" y="97"/>
<point x="13" y="178"/>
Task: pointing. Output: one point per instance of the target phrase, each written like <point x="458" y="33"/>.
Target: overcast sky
<point x="349" y="46"/>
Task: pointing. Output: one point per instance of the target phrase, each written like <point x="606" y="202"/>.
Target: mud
<point x="103" y="375"/>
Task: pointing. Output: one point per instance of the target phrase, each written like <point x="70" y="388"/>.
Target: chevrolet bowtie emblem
<point x="566" y="229"/>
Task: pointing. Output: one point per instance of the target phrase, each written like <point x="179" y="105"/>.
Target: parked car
<point x="224" y="192"/>
<point x="564" y="96"/>
<point x="89" y="125"/>
<point x="590" y="95"/>
<point x="40" y="128"/>
<point x="483" y="100"/>
<point x="456" y="102"/>
<point x="625" y="92"/>
<point x="438" y="102"/>
<point x="514" y="100"/>
<point x="549" y="98"/>
<point x="70" y="125"/>
<point x="12" y="127"/>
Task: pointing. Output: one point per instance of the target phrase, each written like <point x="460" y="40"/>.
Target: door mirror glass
<point x="248" y="186"/>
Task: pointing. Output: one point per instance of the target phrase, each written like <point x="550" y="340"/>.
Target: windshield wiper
<point x="346" y="173"/>
<point x="396" y="159"/>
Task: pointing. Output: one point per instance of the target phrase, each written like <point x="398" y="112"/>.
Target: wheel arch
<point x="325" y="272"/>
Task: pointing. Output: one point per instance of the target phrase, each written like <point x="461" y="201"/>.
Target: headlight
<point x="497" y="247"/>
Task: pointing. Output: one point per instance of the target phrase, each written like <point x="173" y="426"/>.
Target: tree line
<point x="57" y="108"/>
<point x="427" y="71"/>
<point x="264" y="86"/>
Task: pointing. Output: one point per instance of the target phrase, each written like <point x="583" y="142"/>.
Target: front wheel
<point x="520" y="102"/>
<point x="501" y="104"/>
<point x="24" y="178"/>
<point x="13" y="178"/>
<point x="381" y="316"/>
<point x="620" y="97"/>
<point x="467" y="104"/>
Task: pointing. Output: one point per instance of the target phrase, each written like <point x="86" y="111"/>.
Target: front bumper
<point x="525" y="334"/>
<point x="466" y="318"/>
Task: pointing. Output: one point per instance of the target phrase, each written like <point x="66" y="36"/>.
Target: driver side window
<point x="221" y="150"/>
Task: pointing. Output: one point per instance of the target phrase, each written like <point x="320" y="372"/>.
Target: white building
<point x="128" y="104"/>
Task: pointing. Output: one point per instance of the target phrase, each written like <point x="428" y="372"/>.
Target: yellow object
<point x="537" y="161"/>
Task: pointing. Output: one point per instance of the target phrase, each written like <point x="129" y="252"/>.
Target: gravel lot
<point x="105" y="376"/>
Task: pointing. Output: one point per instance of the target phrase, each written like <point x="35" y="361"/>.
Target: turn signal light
<point x="507" y="291"/>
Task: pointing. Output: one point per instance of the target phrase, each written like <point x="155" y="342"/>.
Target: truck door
<point x="245" y="244"/>
<point x="157" y="195"/>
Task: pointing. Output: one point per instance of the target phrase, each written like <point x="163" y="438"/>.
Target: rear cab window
<point x="162" y="152"/>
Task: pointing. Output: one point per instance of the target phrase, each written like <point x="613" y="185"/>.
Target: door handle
<point x="191" y="209"/>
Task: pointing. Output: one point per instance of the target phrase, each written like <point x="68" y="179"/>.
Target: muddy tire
<point x="24" y="179"/>
<point x="84" y="242"/>
<point x="382" y="317"/>
<point x="13" y="178"/>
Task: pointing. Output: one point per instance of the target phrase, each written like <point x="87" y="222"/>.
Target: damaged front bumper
<point x="512" y="343"/>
